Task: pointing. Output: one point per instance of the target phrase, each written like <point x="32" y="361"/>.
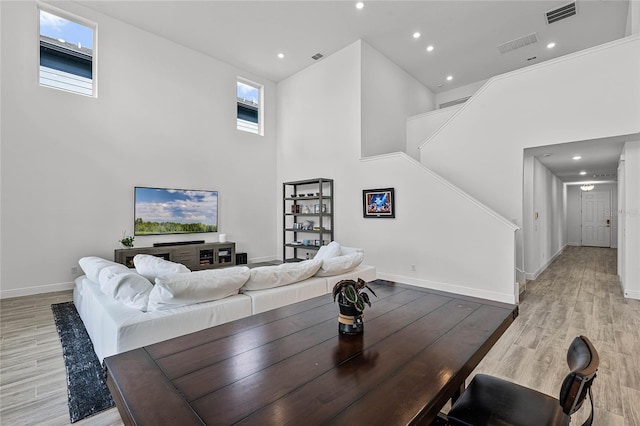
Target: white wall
<point x="420" y="127"/>
<point x="588" y="95"/>
<point x="545" y="217"/>
<point x="385" y="107"/>
<point x="574" y="212"/>
<point x="574" y="215"/>
<point x="454" y="243"/>
<point x="629" y="220"/>
<point x="633" y="18"/>
<point x="165" y="117"/>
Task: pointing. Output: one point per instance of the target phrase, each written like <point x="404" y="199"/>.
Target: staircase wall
<point x="591" y="94"/>
<point x="440" y="238"/>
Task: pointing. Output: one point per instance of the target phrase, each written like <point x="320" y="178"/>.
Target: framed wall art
<point x="378" y="203"/>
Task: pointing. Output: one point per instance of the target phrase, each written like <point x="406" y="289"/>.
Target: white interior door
<point x="596" y="218"/>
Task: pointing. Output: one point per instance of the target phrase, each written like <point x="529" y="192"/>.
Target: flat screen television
<point x="159" y="211"/>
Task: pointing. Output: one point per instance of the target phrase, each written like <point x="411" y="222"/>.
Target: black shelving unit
<point x="307" y="224"/>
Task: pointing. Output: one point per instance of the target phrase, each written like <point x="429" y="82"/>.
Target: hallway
<point x="578" y="294"/>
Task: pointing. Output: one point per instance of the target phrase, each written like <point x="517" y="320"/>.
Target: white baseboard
<point x="30" y="291"/>
<point x="578" y="244"/>
<point x="632" y="294"/>
<point x="535" y="275"/>
<point x="467" y="291"/>
<point x="263" y="259"/>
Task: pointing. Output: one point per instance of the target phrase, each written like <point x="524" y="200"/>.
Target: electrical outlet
<point x="413" y="267"/>
<point x="74" y="270"/>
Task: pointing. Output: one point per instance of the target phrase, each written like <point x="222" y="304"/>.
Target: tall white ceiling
<point x="465" y="34"/>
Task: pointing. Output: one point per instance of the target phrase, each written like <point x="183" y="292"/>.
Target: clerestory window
<point x="67" y="53"/>
<point x="249" y="103"/>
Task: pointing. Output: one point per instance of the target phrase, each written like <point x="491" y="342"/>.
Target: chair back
<point x="583" y="362"/>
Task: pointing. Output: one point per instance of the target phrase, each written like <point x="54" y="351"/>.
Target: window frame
<point x="260" y="88"/>
<point x="77" y="20"/>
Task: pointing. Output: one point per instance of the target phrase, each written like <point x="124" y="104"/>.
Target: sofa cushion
<point x="180" y="289"/>
<point x="125" y="286"/>
<point x="272" y="298"/>
<point x="151" y="267"/>
<point x="348" y="250"/>
<point x="92" y="265"/>
<point x="327" y="252"/>
<point x="275" y="276"/>
<point x="340" y="264"/>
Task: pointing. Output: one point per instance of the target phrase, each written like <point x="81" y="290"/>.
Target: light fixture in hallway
<point x="587" y="187"/>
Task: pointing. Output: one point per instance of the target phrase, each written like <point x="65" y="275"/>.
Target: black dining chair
<point x="492" y="401"/>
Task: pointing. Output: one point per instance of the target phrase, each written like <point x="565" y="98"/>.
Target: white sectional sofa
<point x="121" y="312"/>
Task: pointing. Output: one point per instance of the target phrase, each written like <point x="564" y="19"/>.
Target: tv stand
<point x="196" y="257"/>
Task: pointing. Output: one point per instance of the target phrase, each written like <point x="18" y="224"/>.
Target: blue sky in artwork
<point x="60" y="28"/>
<point x="176" y="205"/>
<point x="247" y="92"/>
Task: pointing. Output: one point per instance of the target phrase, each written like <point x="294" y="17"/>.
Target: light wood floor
<point x="578" y="294"/>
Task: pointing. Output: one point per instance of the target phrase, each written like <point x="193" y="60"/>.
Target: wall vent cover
<point x="561" y="13"/>
<point x="317" y="56"/>
<point x="518" y="43"/>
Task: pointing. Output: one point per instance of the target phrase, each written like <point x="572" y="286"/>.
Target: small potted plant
<point x="127" y="240"/>
<point x="352" y="300"/>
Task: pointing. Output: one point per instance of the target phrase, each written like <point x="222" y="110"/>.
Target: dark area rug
<point x="86" y="385"/>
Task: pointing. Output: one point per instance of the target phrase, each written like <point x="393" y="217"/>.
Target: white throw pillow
<point x="275" y="276"/>
<point x="348" y="250"/>
<point x="340" y="265"/>
<point x="327" y="252"/>
<point x="92" y="265"/>
<point x="152" y="267"/>
<point x="125" y="286"/>
<point x="183" y="289"/>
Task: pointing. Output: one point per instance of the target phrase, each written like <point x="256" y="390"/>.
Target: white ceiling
<point x="465" y="34"/>
<point x="599" y="158"/>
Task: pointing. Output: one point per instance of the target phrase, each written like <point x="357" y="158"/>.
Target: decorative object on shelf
<point x="305" y="210"/>
<point x="127" y="240"/>
<point x="378" y="203"/>
<point x="587" y="187"/>
<point x="222" y="238"/>
<point x="352" y="300"/>
<point x="307" y="225"/>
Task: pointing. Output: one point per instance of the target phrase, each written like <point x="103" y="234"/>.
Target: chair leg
<point x="441" y="420"/>
<point x="589" y="421"/>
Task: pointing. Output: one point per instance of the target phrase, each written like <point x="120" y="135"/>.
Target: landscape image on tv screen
<point x="174" y="211"/>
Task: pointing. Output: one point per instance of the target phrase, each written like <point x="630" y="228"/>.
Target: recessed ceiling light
<point x="449" y="77"/>
<point x="551" y="45"/>
<point x="547" y="154"/>
<point x="280" y="55"/>
<point x="416" y="34"/>
<point x="359" y="5"/>
<point x="430" y="48"/>
<point x="583" y="173"/>
<point x="577" y="157"/>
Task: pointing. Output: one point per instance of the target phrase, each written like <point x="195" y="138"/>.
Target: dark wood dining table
<point x="291" y="366"/>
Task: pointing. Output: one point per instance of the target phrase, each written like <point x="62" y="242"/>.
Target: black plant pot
<point x="350" y="320"/>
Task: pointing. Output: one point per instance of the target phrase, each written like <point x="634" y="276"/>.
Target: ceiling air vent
<point x="317" y="56"/>
<point x="561" y="13"/>
<point x="518" y="43"/>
